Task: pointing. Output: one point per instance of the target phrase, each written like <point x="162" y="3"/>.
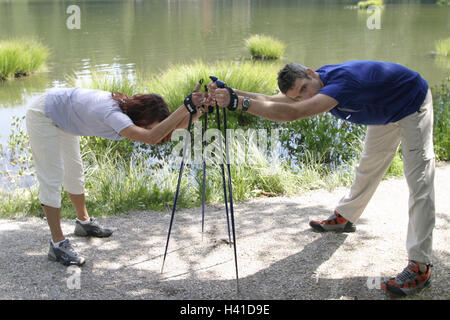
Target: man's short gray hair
<point x="287" y="75"/>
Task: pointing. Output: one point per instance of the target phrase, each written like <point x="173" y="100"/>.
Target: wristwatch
<point x="246" y="103"/>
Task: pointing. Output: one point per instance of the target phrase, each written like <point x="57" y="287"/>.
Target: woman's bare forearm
<point x="169" y="124"/>
<point x="183" y="124"/>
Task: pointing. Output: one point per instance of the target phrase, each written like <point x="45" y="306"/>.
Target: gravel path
<point x="279" y="256"/>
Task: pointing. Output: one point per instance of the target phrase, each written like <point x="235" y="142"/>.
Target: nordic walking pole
<point x="186" y="145"/>
<point x="227" y="157"/>
<point x="205" y="123"/>
<point x="232" y="106"/>
<point x="222" y="168"/>
<point x="192" y="110"/>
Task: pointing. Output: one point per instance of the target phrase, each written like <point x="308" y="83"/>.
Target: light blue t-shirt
<point x="86" y="112"/>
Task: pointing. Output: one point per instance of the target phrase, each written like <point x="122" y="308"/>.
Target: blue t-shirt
<point x="86" y="112"/>
<point x="372" y="92"/>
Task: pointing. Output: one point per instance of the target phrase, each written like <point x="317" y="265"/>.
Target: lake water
<point x="147" y="36"/>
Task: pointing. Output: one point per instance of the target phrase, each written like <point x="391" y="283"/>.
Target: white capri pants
<point x="56" y="155"/>
<point x="415" y="132"/>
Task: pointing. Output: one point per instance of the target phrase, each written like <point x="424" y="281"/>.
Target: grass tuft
<point x="367" y="4"/>
<point x="20" y="57"/>
<point x="265" y="47"/>
<point x="177" y="81"/>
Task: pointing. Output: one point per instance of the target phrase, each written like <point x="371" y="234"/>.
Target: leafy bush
<point x="441" y="104"/>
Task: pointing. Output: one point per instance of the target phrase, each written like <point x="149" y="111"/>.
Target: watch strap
<point x="189" y="104"/>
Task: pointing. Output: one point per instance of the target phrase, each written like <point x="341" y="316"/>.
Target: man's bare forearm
<point x="281" y="111"/>
<point x="279" y="97"/>
<point x="274" y="111"/>
<point x="253" y="95"/>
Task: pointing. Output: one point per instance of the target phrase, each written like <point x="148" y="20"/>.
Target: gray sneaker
<point x="65" y="254"/>
<point x="92" y="229"/>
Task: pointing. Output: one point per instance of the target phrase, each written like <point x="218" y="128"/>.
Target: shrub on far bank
<point x="20" y="57"/>
<point x="264" y="47"/>
<point x="366" y="4"/>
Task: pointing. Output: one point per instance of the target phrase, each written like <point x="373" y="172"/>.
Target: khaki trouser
<point x="416" y="134"/>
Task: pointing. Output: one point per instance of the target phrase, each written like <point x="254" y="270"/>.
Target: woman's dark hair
<point x="143" y="109"/>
